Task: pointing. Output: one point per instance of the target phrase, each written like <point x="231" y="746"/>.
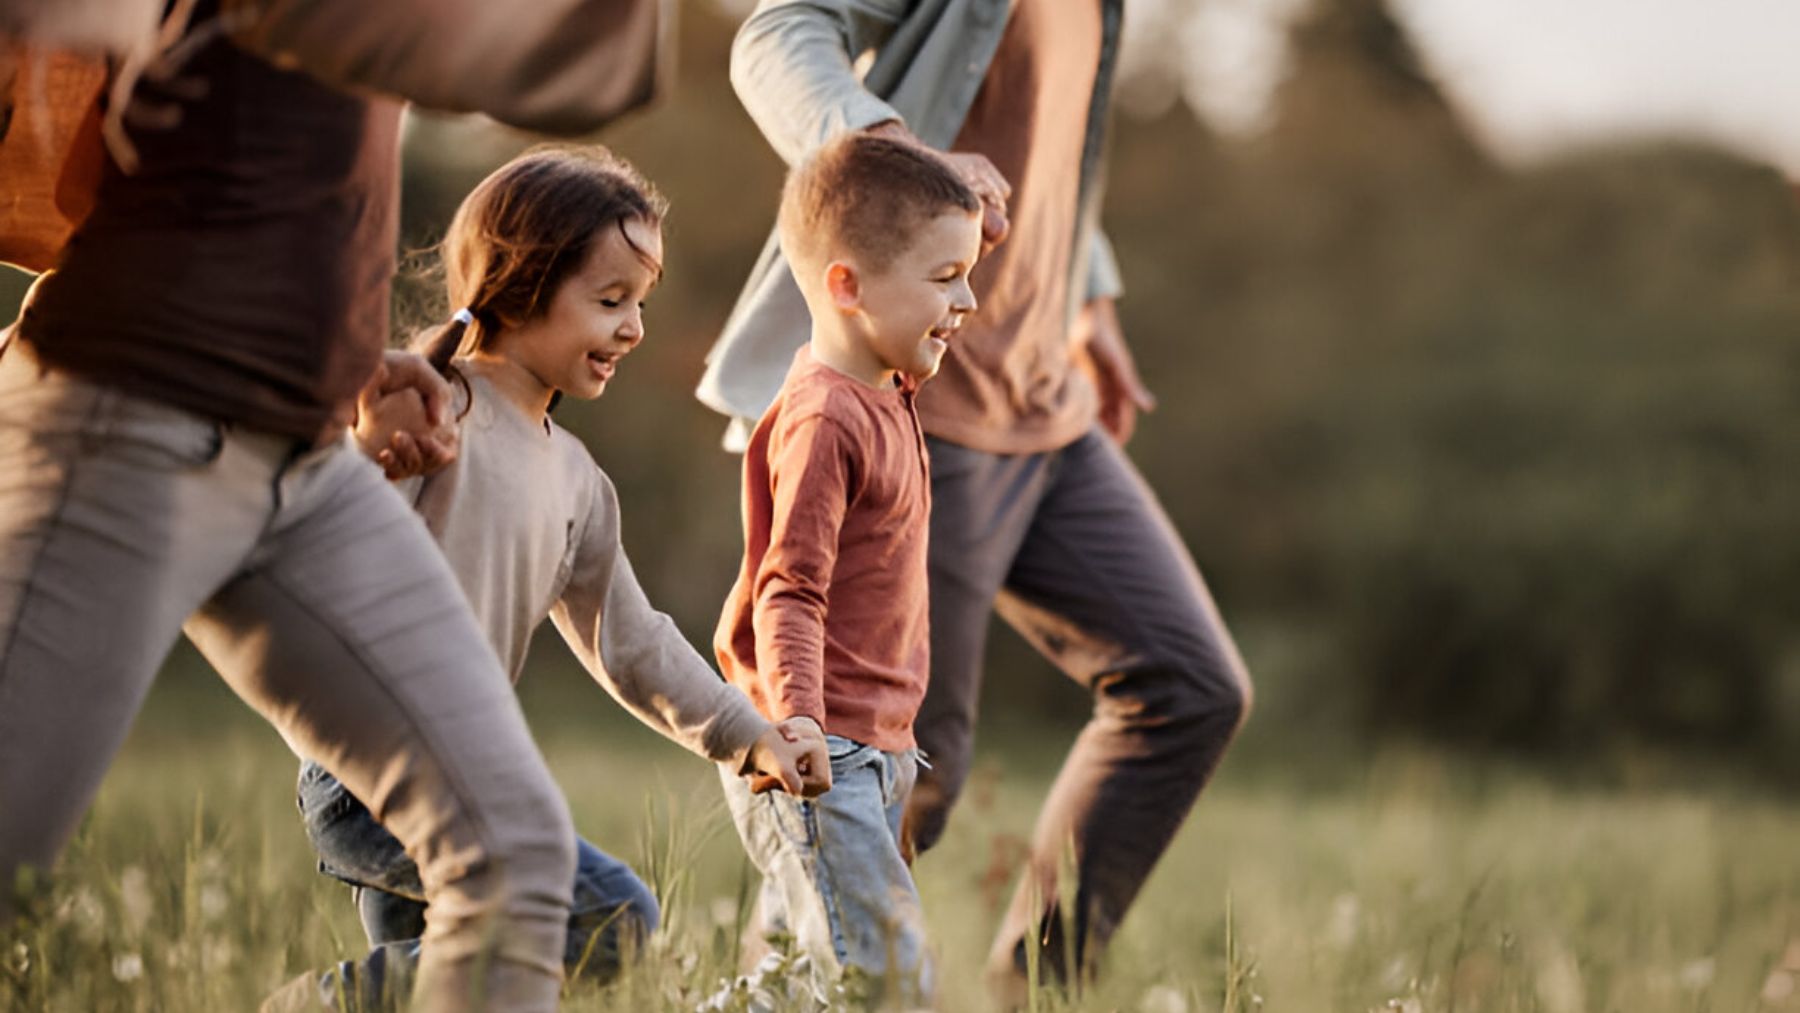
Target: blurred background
<point x="1477" y="337"/>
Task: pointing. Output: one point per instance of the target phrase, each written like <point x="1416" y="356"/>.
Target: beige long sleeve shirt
<point x="530" y="524"/>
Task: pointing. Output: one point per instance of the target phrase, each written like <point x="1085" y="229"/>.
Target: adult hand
<point x="989" y="184"/>
<point x="403" y="417"/>
<point x="1122" y="392"/>
<point x="791" y="756"/>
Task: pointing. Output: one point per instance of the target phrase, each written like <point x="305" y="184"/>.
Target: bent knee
<point x="1199" y="691"/>
<point x="519" y="860"/>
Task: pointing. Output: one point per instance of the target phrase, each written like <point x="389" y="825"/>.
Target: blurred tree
<point x="1506" y="458"/>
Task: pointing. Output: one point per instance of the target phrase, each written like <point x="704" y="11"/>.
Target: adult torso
<point x="242" y="271"/>
<point x="1009" y="384"/>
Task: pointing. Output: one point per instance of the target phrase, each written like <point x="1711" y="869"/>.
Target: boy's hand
<point x="791" y="756"/>
<point x="403" y="418"/>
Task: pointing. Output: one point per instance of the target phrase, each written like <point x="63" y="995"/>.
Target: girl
<point x="550" y="260"/>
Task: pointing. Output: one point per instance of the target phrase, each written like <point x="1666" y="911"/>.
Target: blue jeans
<point x="611" y="908"/>
<point x="832" y="872"/>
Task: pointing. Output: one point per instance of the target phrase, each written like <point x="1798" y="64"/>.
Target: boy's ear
<point x="844" y="287"/>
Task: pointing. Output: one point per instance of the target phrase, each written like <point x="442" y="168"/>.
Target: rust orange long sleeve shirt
<point x="828" y="618"/>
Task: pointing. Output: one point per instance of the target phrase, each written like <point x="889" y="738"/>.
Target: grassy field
<point x="1405" y="884"/>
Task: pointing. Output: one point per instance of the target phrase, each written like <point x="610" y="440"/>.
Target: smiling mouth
<point x="603" y="363"/>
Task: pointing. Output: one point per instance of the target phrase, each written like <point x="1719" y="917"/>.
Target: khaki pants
<point x="323" y="602"/>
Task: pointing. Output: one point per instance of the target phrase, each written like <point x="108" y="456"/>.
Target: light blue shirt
<point x="808" y="70"/>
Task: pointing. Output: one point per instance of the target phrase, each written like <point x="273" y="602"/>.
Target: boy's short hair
<point x="867" y="196"/>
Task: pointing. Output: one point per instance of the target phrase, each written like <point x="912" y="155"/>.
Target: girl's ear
<point x="844" y="286"/>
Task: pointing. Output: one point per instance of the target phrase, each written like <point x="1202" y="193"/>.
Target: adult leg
<point x="100" y="560"/>
<point x="1105" y="589"/>
<point x="981" y="508"/>
<point x="347" y="630"/>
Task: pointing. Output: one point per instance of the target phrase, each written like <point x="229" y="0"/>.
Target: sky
<point x="1532" y="76"/>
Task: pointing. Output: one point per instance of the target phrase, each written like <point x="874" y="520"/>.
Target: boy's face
<point x="596" y="318"/>
<point x="914" y="306"/>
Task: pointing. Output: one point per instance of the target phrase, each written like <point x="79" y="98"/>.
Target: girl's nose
<point x="632" y="330"/>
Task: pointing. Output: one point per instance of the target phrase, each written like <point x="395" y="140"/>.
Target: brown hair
<point x="866" y="195"/>
<point x="523" y="230"/>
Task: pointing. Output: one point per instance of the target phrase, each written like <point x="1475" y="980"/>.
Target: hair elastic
<point x="463" y="316"/>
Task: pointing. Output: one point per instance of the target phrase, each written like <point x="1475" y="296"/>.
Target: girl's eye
<point x="611" y="304"/>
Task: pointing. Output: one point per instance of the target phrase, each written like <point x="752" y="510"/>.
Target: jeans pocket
<point x="154" y="435"/>
<point x="793" y="819"/>
<point x="848" y="754"/>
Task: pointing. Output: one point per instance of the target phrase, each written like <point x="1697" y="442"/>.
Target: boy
<point x="828" y="618"/>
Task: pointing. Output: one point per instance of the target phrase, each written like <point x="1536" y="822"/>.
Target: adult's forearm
<point x="792" y="66"/>
<point x="556" y="66"/>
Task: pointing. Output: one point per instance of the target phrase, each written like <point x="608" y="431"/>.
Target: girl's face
<point x="595" y="319"/>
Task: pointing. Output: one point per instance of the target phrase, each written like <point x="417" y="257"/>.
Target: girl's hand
<point x="403" y="418"/>
<point x="791" y="756"/>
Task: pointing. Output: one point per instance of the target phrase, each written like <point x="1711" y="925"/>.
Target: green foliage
<point x="1512" y="453"/>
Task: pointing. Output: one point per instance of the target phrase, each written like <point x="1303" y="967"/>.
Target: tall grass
<point x="1412" y="885"/>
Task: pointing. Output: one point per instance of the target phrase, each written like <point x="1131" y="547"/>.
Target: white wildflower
<point x="1696" y="975"/>
<point x="213" y="902"/>
<point x="1345" y="920"/>
<point x="128" y="967"/>
<point x="135" y="899"/>
<point x="1163" y="999"/>
<point x="1396" y="974"/>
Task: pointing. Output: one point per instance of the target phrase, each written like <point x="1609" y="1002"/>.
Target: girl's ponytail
<point x="441" y="347"/>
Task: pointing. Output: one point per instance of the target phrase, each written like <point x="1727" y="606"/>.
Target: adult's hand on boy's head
<point x="1122" y="392"/>
<point x="976" y="170"/>
<point x="991" y="186"/>
<point x="791" y="756"/>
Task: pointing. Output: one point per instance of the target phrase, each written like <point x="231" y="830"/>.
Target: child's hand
<point x="401" y="418"/>
<point x="791" y="756"/>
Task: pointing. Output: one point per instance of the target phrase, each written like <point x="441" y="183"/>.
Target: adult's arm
<point x="793" y="67"/>
<point x="555" y="66"/>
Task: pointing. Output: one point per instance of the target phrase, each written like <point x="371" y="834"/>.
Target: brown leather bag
<point x="50" y="149"/>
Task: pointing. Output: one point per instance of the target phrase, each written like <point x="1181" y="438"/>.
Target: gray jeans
<point x="1073" y="549"/>
<point x="323" y="602"/>
<point x="832" y="872"/>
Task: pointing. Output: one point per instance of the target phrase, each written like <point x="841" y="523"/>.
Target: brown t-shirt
<point x="828" y="618"/>
<point x="242" y="272"/>
<point x="1009" y="384"/>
